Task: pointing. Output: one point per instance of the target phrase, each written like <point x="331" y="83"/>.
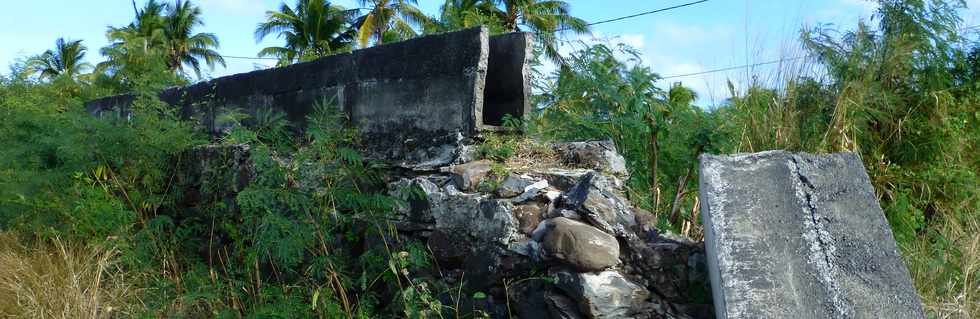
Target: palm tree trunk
<point x="681" y="185"/>
<point x="511" y="18"/>
<point x="654" y="154"/>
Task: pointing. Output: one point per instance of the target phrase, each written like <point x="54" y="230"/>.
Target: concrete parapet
<point x="411" y="101"/>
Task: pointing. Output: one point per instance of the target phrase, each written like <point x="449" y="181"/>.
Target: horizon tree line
<point x="164" y="34"/>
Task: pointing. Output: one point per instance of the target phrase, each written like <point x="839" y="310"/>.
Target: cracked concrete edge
<point x="822" y="250"/>
<point x="804" y="171"/>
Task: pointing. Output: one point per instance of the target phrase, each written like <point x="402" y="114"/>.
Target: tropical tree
<point x="184" y="48"/>
<point x="312" y="29"/>
<point x="67" y="59"/>
<point x="165" y="30"/>
<point x="543" y="17"/>
<point x="461" y="14"/>
<point x="388" y="20"/>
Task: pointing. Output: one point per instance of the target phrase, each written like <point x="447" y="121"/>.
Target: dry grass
<point x="59" y="280"/>
<point x="953" y="291"/>
<point x="531" y="154"/>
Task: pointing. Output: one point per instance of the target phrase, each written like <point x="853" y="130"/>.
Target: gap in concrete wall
<point x="507" y="78"/>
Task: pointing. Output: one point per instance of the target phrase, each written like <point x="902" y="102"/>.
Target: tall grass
<point x="949" y="290"/>
<point x="60" y="280"/>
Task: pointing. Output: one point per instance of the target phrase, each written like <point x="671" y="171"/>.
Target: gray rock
<point x="538" y="299"/>
<point x="527" y="248"/>
<point x="468" y="176"/>
<point x="532" y="191"/>
<point x="603" y="295"/>
<point x="563" y="179"/>
<point x="674" y="265"/>
<point x="570" y="214"/>
<point x="467" y="153"/>
<point x="471" y="216"/>
<point x="580" y="245"/>
<point x="597" y="155"/>
<point x="601" y="204"/>
<point x="560" y="306"/>
<point x="513" y="185"/>
<point x="799" y="235"/>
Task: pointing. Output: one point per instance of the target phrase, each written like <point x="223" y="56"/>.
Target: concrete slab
<point x="800" y="236"/>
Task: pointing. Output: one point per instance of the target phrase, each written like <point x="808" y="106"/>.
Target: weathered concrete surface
<point x="800" y="236"/>
<point x="411" y="101"/>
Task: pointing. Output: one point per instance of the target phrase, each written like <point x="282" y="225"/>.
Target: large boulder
<point x="580" y="245"/>
<point x="469" y="216"/>
<point x="596" y="155"/>
<point x="603" y="295"/>
<point x="471" y="232"/>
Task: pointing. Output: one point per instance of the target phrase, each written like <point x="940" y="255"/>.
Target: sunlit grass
<point x="60" y="280"/>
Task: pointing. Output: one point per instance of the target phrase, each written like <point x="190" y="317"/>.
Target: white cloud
<point x="637" y="41"/>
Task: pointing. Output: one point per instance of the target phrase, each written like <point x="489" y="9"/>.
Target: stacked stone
<point x="557" y="242"/>
<point x="569" y="232"/>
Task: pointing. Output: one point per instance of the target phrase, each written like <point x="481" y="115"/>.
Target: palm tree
<point x="163" y="30"/>
<point x="184" y="48"/>
<point x="144" y="33"/>
<point x="67" y="59"/>
<point x="544" y="18"/>
<point x="388" y="20"/>
<point x="312" y="29"/>
<point x="461" y="14"/>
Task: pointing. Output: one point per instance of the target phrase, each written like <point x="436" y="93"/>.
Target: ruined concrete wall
<point x="508" y="87"/>
<point x="411" y="101"/>
<point x="799" y="235"/>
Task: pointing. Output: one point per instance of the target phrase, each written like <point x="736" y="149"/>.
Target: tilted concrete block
<point x="412" y="102"/>
<point x="800" y="236"/>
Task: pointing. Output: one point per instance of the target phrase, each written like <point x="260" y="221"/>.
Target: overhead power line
<point x="559" y="30"/>
<point x="736" y="67"/>
<point x="247" y="57"/>
<point x="640" y="14"/>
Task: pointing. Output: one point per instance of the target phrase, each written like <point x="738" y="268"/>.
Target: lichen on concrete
<point x="799" y="235"/>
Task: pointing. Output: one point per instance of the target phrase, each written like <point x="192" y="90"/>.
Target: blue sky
<point x="707" y="36"/>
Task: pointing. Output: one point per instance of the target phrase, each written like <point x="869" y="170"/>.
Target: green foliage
<point x="163" y="32"/>
<point x="599" y="96"/>
<point x="388" y="21"/>
<point x="497" y="147"/>
<point x="311" y="28"/>
<point x="462" y="14"/>
<point x="68" y="174"/>
<point x="66" y="60"/>
<point x="903" y="95"/>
